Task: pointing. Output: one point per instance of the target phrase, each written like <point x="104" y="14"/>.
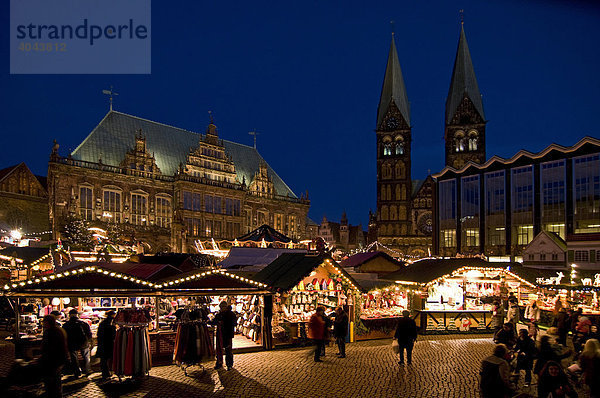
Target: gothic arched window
<point x="387" y="149"/>
<point x="400" y="170"/>
<point x="384" y="213"/>
<point x="473" y="140"/>
<point x="399" y="145"/>
<point x="459" y="141"/>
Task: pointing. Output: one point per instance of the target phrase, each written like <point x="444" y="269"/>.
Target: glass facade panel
<point x="495" y="207"/>
<point x="522" y="205"/>
<point x="586" y="192"/>
<point x="447" y="213"/>
<point x="470" y="211"/>
<point x="553" y="197"/>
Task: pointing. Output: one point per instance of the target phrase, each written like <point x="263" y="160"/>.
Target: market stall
<point x="573" y="288"/>
<point x="456" y="295"/>
<point x="115" y="290"/>
<point x="302" y="282"/>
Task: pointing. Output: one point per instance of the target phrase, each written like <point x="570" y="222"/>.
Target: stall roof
<point x="290" y="268"/>
<point x="361" y="258"/>
<point x="206" y="282"/>
<point x="182" y="261"/>
<point x="254" y="256"/>
<point x="27" y="254"/>
<point x="144" y="271"/>
<point x="427" y="270"/>
<point x="264" y="232"/>
<point x="88" y="281"/>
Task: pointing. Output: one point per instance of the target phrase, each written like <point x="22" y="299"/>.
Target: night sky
<point x="307" y="76"/>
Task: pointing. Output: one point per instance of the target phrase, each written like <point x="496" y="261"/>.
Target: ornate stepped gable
<point x="138" y="158"/>
<point x="209" y="159"/>
<point x="262" y="184"/>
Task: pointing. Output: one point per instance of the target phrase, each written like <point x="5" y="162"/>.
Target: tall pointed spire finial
<point x="212" y="121"/>
<point x="393" y="24"/>
<point x="462" y="17"/>
<point x="110" y="94"/>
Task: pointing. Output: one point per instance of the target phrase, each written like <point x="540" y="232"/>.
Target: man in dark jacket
<point x="340" y="330"/>
<point x="54" y="356"/>
<point x="526" y="352"/>
<point x="79" y="336"/>
<point x="225" y="321"/>
<point x="106" y="341"/>
<point x="406" y="334"/>
<point x="494" y="374"/>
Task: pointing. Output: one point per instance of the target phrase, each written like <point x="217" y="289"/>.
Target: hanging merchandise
<point x="131" y="353"/>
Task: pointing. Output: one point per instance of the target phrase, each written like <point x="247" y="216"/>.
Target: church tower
<point x="393" y="134"/>
<point x="465" y="121"/>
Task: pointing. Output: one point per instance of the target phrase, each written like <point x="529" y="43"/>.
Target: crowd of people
<point x="517" y="351"/>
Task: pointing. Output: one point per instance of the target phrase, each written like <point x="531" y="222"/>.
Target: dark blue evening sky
<point x="307" y="75"/>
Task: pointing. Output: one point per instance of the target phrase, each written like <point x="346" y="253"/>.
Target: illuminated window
<point x="86" y="205"/>
<point x="111" y="206"/>
<point x="139" y="209"/>
<point x="163" y="212"/>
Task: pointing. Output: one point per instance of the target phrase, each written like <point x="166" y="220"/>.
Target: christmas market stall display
<point x="302" y="282"/>
<point x="131" y="353"/>
<point x="75" y="284"/>
<point x="456" y="294"/>
<point x="205" y="290"/>
<point x="573" y="288"/>
<point x="381" y="307"/>
<point x="26" y="262"/>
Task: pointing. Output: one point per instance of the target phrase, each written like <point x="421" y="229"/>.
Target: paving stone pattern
<point x="443" y="366"/>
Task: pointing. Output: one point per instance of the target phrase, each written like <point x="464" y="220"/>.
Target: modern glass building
<point x="498" y="207"/>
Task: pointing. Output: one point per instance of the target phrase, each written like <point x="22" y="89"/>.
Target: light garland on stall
<point x="90" y="269"/>
<point x="342" y="275"/>
<point x="201" y="275"/>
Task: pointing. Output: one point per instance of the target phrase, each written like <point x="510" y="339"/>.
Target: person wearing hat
<point x="225" y="321"/>
<point x="106" y="341"/>
<point x="79" y="336"/>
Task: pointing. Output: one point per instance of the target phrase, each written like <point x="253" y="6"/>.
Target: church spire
<point x="393" y="88"/>
<point x="464" y="82"/>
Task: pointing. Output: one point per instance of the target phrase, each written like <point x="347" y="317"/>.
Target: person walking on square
<point x="497" y="316"/>
<point x="406" y="334"/>
<point x="106" y="341"/>
<point x="526" y="351"/>
<point x="225" y="321"/>
<point x="563" y="323"/>
<point x="532" y="314"/>
<point x="79" y="336"/>
<point x="55" y="355"/>
<point x="340" y="330"/>
<point x="512" y="315"/>
<point x="494" y="374"/>
<point x="316" y="331"/>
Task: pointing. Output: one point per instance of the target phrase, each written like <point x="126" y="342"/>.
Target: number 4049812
<point x="42" y="47"/>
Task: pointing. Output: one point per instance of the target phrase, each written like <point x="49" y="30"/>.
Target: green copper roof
<point x="115" y="135"/>
<point x="463" y="80"/>
<point x="393" y="88"/>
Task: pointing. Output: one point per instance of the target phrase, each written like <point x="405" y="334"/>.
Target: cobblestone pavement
<point x="443" y="366"/>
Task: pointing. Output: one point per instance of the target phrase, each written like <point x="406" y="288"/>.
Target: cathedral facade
<point x="168" y="187"/>
<point x="403" y="220"/>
